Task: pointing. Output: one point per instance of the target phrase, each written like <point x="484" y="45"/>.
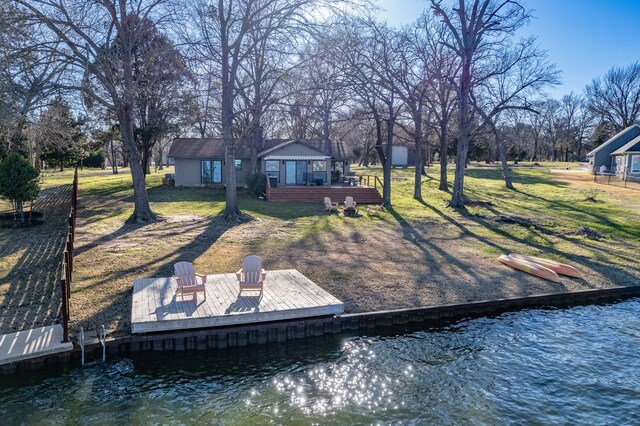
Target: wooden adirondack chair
<point x="350" y="206"/>
<point x="330" y="206"/>
<point x="251" y="276"/>
<point x="349" y="203"/>
<point x="187" y="280"/>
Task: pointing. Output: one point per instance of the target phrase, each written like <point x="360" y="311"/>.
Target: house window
<point x="635" y="164"/>
<point x="319" y="170"/>
<point x="237" y="164"/>
<point x="272" y="168"/>
<point x="211" y="171"/>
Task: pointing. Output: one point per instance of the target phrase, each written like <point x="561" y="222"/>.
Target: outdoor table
<point x="351" y="180"/>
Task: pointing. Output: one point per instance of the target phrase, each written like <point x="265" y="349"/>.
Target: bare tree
<point x="367" y="53"/>
<point x="84" y="34"/>
<point x="616" y="96"/>
<point x="406" y="73"/>
<point x="442" y="73"/>
<point x="520" y="73"/>
<point x="27" y="78"/>
<point x="231" y="31"/>
<point x="577" y="123"/>
<point x="479" y="29"/>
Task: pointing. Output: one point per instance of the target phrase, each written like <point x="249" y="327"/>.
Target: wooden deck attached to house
<point x="287" y="294"/>
<point x="316" y="194"/>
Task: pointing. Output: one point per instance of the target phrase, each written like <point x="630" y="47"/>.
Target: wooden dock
<point x="287" y="294"/>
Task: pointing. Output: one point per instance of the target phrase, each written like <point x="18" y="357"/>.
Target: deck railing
<point x="368" y="178"/>
<point x="67" y="258"/>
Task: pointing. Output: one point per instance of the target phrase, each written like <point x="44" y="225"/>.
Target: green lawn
<point x="417" y="253"/>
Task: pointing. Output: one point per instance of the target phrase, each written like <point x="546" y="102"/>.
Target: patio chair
<point x="251" y="276"/>
<point x="330" y="206"/>
<point x="374" y="210"/>
<point x="187" y="280"/>
<point x="349" y="203"/>
<point x="349" y="206"/>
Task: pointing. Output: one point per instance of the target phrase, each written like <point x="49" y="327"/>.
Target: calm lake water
<point x="573" y="366"/>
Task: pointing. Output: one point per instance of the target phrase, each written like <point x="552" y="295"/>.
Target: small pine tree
<point x="18" y="183"/>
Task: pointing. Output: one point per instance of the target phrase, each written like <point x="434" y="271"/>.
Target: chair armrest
<point x="239" y="275"/>
<point x="178" y="281"/>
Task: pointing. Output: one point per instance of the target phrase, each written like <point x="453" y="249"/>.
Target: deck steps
<point x="316" y="194"/>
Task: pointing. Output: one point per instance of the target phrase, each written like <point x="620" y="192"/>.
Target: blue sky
<point x="584" y="38"/>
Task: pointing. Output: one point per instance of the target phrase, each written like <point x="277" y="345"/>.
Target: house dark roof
<point x="632" y="146"/>
<point x="633" y="127"/>
<point x="202" y="148"/>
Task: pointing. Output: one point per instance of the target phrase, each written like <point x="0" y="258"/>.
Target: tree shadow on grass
<point x="601" y="218"/>
<point x="516" y="176"/>
<point x="118" y="304"/>
<point x="623" y="277"/>
<point x="30" y="292"/>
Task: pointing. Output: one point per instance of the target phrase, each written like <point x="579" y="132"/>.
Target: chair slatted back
<point x="348" y="202"/>
<point x="327" y="201"/>
<point x="186" y="273"/>
<point x="251" y="267"/>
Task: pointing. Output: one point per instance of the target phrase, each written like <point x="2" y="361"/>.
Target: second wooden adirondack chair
<point x="349" y="206"/>
<point x="251" y="276"/>
<point x="188" y="282"/>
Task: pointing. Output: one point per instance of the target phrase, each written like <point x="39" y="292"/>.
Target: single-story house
<point x="619" y="155"/>
<point x="199" y="161"/>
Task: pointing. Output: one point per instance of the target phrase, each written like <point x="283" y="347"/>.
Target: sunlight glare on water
<point x="350" y="380"/>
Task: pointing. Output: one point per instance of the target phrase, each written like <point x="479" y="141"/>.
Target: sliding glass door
<point x="295" y="172"/>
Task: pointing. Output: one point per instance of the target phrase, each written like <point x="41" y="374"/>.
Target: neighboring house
<point x="200" y="162"/>
<point x="619" y="155"/>
<point x="627" y="159"/>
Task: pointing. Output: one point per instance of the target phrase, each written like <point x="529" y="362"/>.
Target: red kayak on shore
<point x="529" y="267"/>
<point x="560" y="268"/>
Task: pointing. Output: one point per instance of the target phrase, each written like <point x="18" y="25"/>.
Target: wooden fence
<point x="67" y="258"/>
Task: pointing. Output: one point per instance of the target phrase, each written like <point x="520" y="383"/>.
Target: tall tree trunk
<point x="256" y="145"/>
<point x="365" y="155"/>
<point x="159" y="160"/>
<point x="417" y="122"/>
<point x="141" y="211"/>
<point x="114" y="159"/>
<point x="444" y="161"/>
<point x="457" y="197"/>
<point x="326" y="121"/>
<point x="146" y="156"/>
<point x="229" y="72"/>
<point x="503" y="158"/>
<point x="386" y="165"/>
